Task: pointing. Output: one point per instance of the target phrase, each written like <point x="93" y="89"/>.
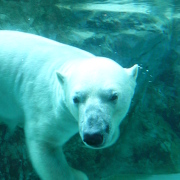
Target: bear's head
<point x="98" y="94"/>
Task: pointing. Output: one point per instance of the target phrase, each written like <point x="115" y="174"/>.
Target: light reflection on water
<point x="144" y="6"/>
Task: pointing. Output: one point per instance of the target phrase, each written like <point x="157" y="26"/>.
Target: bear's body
<point x="55" y="90"/>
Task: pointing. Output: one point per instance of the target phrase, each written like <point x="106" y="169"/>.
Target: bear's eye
<point x="114" y="97"/>
<point x="76" y="100"/>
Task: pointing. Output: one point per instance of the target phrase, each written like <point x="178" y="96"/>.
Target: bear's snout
<point x="95" y="130"/>
<point x="93" y="139"/>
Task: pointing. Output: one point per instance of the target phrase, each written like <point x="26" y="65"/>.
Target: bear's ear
<point x="60" y="77"/>
<point x="133" y="71"/>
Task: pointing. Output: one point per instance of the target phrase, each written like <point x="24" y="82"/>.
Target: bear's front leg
<point x="49" y="161"/>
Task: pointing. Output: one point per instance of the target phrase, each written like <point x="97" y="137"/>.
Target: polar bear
<point x="54" y="91"/>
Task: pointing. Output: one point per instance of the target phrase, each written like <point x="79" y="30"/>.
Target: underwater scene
<point x="142" y="36"/>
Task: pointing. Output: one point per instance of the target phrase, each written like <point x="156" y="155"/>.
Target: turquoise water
<point x="130" y="32"/>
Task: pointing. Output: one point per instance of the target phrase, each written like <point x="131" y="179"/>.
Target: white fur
<point x="55" y="90"/>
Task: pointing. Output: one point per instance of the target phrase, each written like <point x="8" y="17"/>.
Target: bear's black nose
<point x="94" y="139"/>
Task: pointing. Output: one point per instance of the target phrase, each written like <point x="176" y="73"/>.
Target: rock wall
<point x="131" y="32"/>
